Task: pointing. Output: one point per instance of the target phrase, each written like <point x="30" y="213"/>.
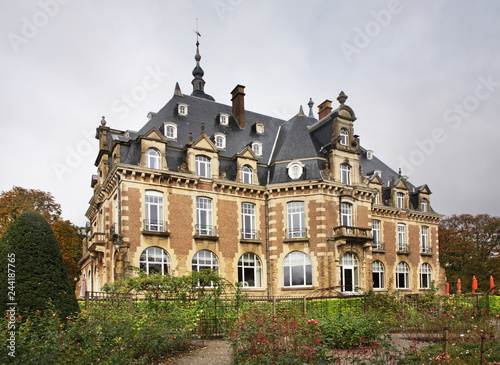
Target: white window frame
<point x="154" y="211"/>
<point x="169" y="126"/>
<point x="296" y="219"/>
<point x="220" y="140"/>
<point x="402" y="237"/>
<point x="378" y="270"/>
<point x="153" y="158"/>
<point x="425" y="276"/>
<point x="297" y="267"/>
<point x="155" y="256"/>
<point x="345" y="174"/>
<point x="376" y="233"/>
<point x="182" y="109"/>
<point x="203" y="166"/>
<point x="400" y="200"/>
<point x="204" y="216"/>
<point x="376" y="199"/>
<point x="424" y="239"/>
<point x="349" y="262"/>
<point x="402" y="276"/>
<point x="295" y="169"/>
<point x="344" y="137"/>
<point x="246" y="174"/>
<point x="257" y="148"/>
<point x="248" y="230"/>
<point x="250" y="265"/>
<point x="423" y="205"/>
<point x="346" y="214"/>
<point x="205" y="259"/>
<point x="224" y="119"/>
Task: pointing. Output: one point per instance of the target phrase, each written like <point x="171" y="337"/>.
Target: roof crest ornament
<point x="342" y="98"/>
<point x="310" y="104"/>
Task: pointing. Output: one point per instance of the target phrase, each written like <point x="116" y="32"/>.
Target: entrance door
<point x="349" y="273"/>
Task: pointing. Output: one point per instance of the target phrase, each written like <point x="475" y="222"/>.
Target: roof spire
<point x="198" y="82"/>
<point x="310" y="104"/>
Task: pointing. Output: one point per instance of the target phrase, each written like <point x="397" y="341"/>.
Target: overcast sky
<point x="423" y="78"/>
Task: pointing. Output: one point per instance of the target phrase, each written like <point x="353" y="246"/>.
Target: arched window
<point x="400" y="199"/>
<point x="344" y="137"/>
<point x="297" y="269"/>
<point x="205" y="259"/>
<point x="378" y="275"/>
<point x="220" y="141"/>
<point x="425" y="276"/>
<point x="155" y="260"/>
<point x="250" y="270"/>
<point x="202" y="166"/>
<point x="257" y="148"/>
<point x="153" y="160"/>
<point x="170" y="130"/>
<point x="423" y="205"/>
<point x="295" y="169"/>
<point x="345" y="174"/>
<point x="349" y="275"/>
<point x="402" y="276"/>
<point x="246" y="174"/>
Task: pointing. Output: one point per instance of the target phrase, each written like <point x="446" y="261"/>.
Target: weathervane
<point x="197" y="33"/>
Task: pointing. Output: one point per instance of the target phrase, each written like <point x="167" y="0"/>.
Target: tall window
<point x="153" y="160"/>
<point x="402" y="237"/>
<point x="154" y="211"/>
<point x="202" y="166"/>
<point x="220" y="141"/>
<point x="257" y="148"/>
<point x="297" y="269"/>
<point x="205" y="259"/>
<point x="155" y="260"/>
<point x="402" y="276"/>
<point x="204" y="217"/>
<point x="378" y="275"/>
<point x="349" y="272"/>
<point x="345" y="174"/>
<point x="376" y="199"/>
<point x="248" y="221"/>
<point x="344" y="137"/>
<point x="376" y="233"/>
<point x="250" y="270"/>
<point x="425" y="276"/>
<point x="296" y="226"/>
<point x="400" y="197"/>
<point x="423" y="205"/>
<point x="246" y="174"/>
<point x="346" y="214"/>
<point x="425" y="239"/>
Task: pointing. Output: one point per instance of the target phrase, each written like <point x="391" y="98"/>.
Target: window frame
<point x="204" y="216"/>
<point x="401" y="237"/>
<point x="346" y="214"/>
<point x="400" y="200"/>
<point x="424" y="203"/>
<point x="246" y="174"/>
<point x="208" y="256"/>
<point x="380" y="272"/>
<point x="376" y="233"/>
<point x="296" y="219"/>
<point x="344" y="137"/>
<point x="424" y="239"/>
<point x="224" y="119"/>
<point x="203" y="162"/>
<point x="170" y="126"/>
<point x="257" y="148"/>
<point x="290" y="262"/>
<point x="220" y="140"/>
<point x="250" y="263"/>
<point x="153" y="198"/>
<point x="153" y="157"/>
<point x="164" y="263"/>
<point x="345" y="173"/>
<point x="248" y="221"/>
<point x="353" y="265"/>
<point x="182" y="109"/>
<point x="425" y="276"/>
<point x="402" y="274"/>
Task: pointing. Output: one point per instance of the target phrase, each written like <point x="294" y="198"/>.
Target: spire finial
<point x="103" y="121"/>
<point x="202" y="127"/>
<point x="198" y="82"/>
<point x="342" y="98"/>
<point x="310" y="104"/>
<point x="301" y="111"/>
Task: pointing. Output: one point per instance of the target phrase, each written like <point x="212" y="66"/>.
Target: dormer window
<point x="257" y="148"/>
<point x="345" y="174"/>
<point x="423" y="205"/>
<point x="182" y="109"/>
<point x="153" y="159"/>
<point x="369" y="155"/>
<point x="400" y="198"/>
<point x="295" y="169"/>
<point x="344" y="137"/>
<point x="259" y="128"/>
<point x="224" y="119"/>
<point x="376" y="199"/>
<point x="220" y="141"/>
<point x="170" y="130"/>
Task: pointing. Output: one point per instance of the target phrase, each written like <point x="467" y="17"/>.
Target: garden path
<point x="207" y="352"/>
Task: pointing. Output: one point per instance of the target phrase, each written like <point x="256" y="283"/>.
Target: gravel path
<point x="207" y="352"/>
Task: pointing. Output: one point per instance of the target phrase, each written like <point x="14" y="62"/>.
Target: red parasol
<point x="492" y="285"/>
<point x="474" y="284"/>
<point x="447" y="288"/>
<point x="459" y="286"/>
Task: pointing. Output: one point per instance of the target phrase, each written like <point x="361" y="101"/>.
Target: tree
<point x="18" y="200"/>
<point x="470" y="245"/>
<point x="40" y="273"/>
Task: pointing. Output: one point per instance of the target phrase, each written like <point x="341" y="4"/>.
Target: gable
<point x="155" y="134"/>
<point x="204" y="143"/>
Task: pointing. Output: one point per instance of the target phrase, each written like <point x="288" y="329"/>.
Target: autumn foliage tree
<point x="470" y="246"/>
<point x="18" y="200"/>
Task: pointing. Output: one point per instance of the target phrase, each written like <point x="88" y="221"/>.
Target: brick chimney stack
<point x="238" y="99"/>
<point x="324" y="109"/>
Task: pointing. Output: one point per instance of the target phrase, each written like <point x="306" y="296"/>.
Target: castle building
<point x="285" y="207"/>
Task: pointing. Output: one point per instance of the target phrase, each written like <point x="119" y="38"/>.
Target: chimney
<point x="238" y="99"/>
<point x="324" y="109"/>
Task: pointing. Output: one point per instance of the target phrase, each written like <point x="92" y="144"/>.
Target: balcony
<point x="250" y="235"/>
<point x="154" y="227"/>
<point x="352" y="234"/>
<point x="378" y="247"/>
<point x="426" y="251"/>
<point x="97" y="242"/>
<point x="203" y="231"/>
<point x="403" y="249"/>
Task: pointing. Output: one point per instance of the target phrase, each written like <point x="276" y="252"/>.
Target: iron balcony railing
<point x="378" y="246"/>
<point x="206" y="230"/>
<point x="403" y="247"/>
<point x="250" y="234"/>
<point x="151" y="225"/>
<point x="426" y="250"/>
<point x="292" y="233"/>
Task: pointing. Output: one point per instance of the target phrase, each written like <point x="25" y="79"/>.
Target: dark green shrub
<point x="30" y="256"/>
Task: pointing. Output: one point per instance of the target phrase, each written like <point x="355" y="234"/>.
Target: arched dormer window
<point x="223" y="119"/>
<point x="295" y="169"/>
<point x="170" y="130"/>
<point x="400" y="199"/>
<point x="182" y="109"/>
<point x="202" y="166"/>
<point x="257" y="148"/>
<point x="153" y="158"/>
<point x="246" y="175"/>
<point x="424" y="205"/>
<point x="220" y="141"/>
<point x="344" y="137"/>
<point x="345" y="174"/>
